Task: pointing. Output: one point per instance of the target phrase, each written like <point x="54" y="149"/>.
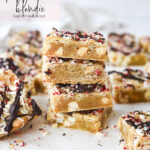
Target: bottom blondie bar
<point x="89" y="120"/>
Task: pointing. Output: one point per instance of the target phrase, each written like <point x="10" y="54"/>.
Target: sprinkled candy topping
<point x="14" y="101"/>
<point x="124" y="38"/>
<point x="79" y="36"/>
<point x="8" y="63"/>
<point x="140" y="121"/>
<point x="132" y="74"/>
<point x="81" y="88"/>
<point x="126" y="50"/>
<point x="54" y="60"/>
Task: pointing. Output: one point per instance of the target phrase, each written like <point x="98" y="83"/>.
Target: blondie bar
<point x="130" y="85"/>
<point x="88" y="120"/>
<point x="135" y="129"/>
<point x="68" y="70"/>
<point x="78" y="45"/>
<point x="123" y="51"/>
<point x="16" y="105"/>
<point x="29" y="40"/>
<point x="76" y="97"/>
<point x="29" y="64"/>
<point x="145" y="43"/>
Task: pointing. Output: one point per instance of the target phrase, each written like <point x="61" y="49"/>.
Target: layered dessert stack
<point x="74" y="74"/>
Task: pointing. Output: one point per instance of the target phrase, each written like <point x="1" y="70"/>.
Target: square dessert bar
<point x="28" y="63"/>
<point x="145" y="43"/>
<point x="123" y="51"/>
<point x="78" y="45"/>
<point x="135" y="129"/>
<point x="29" y="40"/>
<point x="76" y="97"/>
<point x="88" y="120"/>
<point x="130" y="85"/>
<point x="16" y="106"/>
<point x="68" y="70"/>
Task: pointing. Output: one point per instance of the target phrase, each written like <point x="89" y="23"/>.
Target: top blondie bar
<point x="79" y="45"/>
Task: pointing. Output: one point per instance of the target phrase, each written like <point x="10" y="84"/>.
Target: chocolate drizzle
<point x="132" y="74"/>
<point x="125" y="38"/>
<point x="57" y="59"/>
<point x="14" y="108"/>
<point x="82" y="88"/>
<point x="36" y="110"/>
<point x="4" y="98"/>
<point x="85" y="112"/>
<point x="8" y="63"/>
<point x="136" y="122"/>
<point x="78" y="36"/>
<point x="17" y="50"/>
<point x="33" y="38"/>
<point x="126" y="50"/>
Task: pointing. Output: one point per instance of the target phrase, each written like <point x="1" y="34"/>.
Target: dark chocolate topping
<point x="57" y="59"/>
<point x="82" y="88"/>
<point x="125" y="38"/>
<point x="48" y="72"/>
<point x="14" y="108"/>
<point x="36" y="110"/>
<point x="80" y="35"/>
<point x="33" y="38"/>
<point x="138" y="123"/>
<point x="8" y="63"/>
<point x="126" y="50"/>
<point x="4" y="98"/>
<point x="132" y="74"/>
<point x="85" y="112"/>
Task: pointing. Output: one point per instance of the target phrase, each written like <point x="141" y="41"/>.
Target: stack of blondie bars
<point x="74" y="74"/>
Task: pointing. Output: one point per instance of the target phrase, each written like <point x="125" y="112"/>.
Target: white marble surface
<point x="73" y="139"/>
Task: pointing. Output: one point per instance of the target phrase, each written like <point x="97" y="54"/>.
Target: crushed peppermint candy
<point x="78" y="36"/>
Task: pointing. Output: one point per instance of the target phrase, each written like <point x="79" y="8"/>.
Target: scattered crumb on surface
<point x="64" y="134"/>
<point x="17" y="144"/>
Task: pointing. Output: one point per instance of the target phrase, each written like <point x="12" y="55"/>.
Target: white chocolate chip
<point x="82" y="51"/>
<point x="73" y="106"/>
<point x="59" y="51"/>
<point x="101" y="50"/>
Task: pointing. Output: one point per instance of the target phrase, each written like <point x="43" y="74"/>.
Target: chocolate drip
<point x="80" y="35"/>
<point x="82" y="88"/>
<point x="22" y="54"/>
<point x="85" y="112"/>
<point x="33" y="38"/>
<point x="138" y="124"/>
<point x="36" y="110"/>
<point x="48" y="72"/>
<point x="121" y="38"/>
<point x="3" y="95"/>
<point x="14" y="108"/>
<point x="129" y="75"/>
<point x="8" y="63"/>
<point x="115" y="49"/>
<point x="33" y="58"/>
<point x="56" y="59"/>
